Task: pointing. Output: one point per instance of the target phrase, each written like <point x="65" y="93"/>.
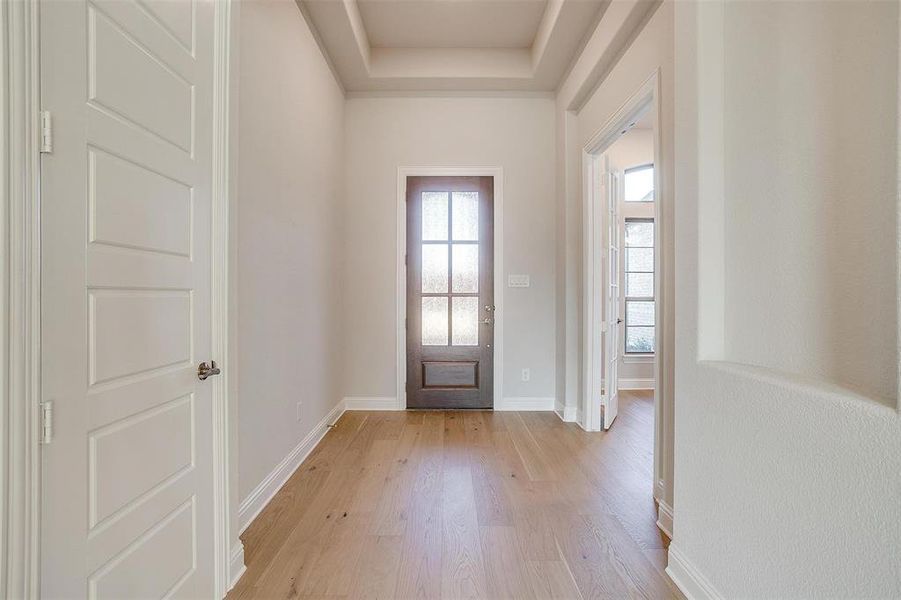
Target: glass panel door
<point x="450" y="310"/>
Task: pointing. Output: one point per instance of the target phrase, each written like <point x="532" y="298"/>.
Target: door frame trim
<point x="646" y="96"/>
<point x="497" y="173"/>
<point x="20" y="303"/>
<point x="225" y="442"/>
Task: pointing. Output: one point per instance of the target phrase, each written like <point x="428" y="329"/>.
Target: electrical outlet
<point x="299" y="412"/>
<point x="526" y="374"/>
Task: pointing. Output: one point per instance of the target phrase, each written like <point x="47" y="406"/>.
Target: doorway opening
<point x="623" y="349"/>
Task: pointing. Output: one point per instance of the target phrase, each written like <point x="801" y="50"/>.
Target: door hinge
<point x="46" y="132"/>
<point x="46" y="422"/>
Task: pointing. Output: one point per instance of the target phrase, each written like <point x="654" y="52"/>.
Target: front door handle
<point x="207" y="370"/>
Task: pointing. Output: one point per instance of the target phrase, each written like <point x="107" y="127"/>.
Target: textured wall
<point x="786" y="486"/>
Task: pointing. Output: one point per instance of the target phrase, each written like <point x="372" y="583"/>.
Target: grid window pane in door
<point x="434" y="216"/>
<point x="465" y="321"/>
<point x="466" y="216"/>
<point x="465" y="262"/>
<point x="434" y="321"/>
<point x="434" y="268"/>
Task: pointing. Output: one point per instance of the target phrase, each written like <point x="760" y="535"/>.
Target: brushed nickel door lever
<point x="207" y="370"/>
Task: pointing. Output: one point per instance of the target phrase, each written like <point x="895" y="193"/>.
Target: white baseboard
<point x="665" y="518"/>
<point x="525" y="404"/>
<point x="371" y="403"/>
<point x="236" y="566"/>
<point x="636" y="384"/>
<point x="566" y="413"/>
<point x="688" y="579"/>
<point x="257" y="500"/>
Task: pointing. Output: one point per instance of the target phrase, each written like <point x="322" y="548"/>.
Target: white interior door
<point x="610" y="399"/>
<point x="127" y="480"/>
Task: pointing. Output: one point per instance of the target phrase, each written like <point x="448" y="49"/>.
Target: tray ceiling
<point x="465" y="45"/>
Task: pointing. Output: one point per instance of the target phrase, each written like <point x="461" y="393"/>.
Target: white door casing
<point x="613" y="320"/>
<point x="127" y="506"/>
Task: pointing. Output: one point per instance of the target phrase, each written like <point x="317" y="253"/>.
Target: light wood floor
<point x="465" y="505"/>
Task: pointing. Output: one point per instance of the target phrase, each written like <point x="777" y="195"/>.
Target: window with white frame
<point x="639" y="184"/>
<point x="639" y="279"/>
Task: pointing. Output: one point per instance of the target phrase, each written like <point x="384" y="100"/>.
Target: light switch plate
<point x="517" y="281"/>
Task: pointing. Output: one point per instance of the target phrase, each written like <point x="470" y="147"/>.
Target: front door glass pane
<point x="466" y="216"/>
<point x="434" y="268"/>
<point x="434" y="321"/>
<point x="466" y="268"/>
<point x="466" y="321"/>
<point x="434" y="216"/>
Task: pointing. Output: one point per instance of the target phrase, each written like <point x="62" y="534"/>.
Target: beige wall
<point x="383" y="134"/>
<point x="788" y="482"/>
<point x="289" y="236"/>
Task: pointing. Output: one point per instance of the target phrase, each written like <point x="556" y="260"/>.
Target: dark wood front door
<point x="450" y="292"/>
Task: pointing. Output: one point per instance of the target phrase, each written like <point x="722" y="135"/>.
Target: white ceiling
<point x="451" y="23"/>
<point x="464" y="45"/>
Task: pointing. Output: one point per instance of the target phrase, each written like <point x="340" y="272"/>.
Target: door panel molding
<point x="497" y="173"/>
<point x="20" y="302"/>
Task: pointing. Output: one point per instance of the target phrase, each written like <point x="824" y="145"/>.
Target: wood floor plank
<point x="551" y="580"/>
<point x="283" y="576"/>
<point x="529" y="449"/>
<point x="505" y="566"/>
<point x="462" y="566"/>
<point x="377" y="570"/>
<point x="628" y="559"/>
<point x="390" y="517"/>
<point x="591" y="564"/>
<point x="376" y="467"/>
<point x="420" y="567"/>
<point x="465" y="504"/>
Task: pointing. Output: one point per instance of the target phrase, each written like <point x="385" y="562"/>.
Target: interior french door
<point x="610" y="399"/>
<point x="450" y="292"/>
<point x="126" y="210"/>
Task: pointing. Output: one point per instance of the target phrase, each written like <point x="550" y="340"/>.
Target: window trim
<point x="627" y="297"/>
<point x="649" y="165"/>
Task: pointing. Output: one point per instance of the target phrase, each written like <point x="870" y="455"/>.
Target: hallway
<point x="465" y="505"/>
